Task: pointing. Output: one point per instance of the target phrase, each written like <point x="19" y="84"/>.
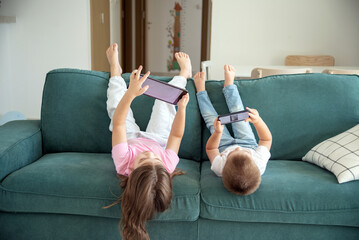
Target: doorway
<point x="147" y="29"/>
<point x="100" y="34"/>
<point x="134" y="34"/>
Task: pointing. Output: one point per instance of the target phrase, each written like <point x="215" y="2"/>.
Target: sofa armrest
<point x="20" y="145"/>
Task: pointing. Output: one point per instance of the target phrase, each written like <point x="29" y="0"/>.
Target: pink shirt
<point x="124" y="154"/>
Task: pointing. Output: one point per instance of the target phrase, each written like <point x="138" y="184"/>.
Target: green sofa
<point x="56" y="174"/>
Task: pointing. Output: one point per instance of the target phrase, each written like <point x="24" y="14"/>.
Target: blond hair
<point x="240" y="174"/>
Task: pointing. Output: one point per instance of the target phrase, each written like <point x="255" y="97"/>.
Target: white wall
<point x="48" y="34"/>
<point x="262" y="32"/>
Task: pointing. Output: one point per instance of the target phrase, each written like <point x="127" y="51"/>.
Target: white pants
<point x="159" y="126"/>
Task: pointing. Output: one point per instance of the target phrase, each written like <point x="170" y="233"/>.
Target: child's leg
<point x="242" y="130"/>
<point x="208" y="112"/>
<point x="116" y="89"/>
<point x="159" y="126"/>
<point x="163" y="113"/>
<point x="162" y="116"/>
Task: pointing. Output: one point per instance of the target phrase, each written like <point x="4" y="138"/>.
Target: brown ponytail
<point x="147" y="190"/>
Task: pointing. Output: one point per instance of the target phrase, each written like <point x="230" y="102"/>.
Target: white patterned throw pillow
<point x="339" y="154"/>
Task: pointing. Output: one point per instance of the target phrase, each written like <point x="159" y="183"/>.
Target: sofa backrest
<point x="73" y="112"/>
<point x="301" y="110"/>
<point x="74" y="116"/>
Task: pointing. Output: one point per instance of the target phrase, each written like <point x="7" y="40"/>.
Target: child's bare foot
<point x="200" y="81"/>
<point x="112" y="57"/>
<point x="229" y="74"/>
<point x="185" y="64"/>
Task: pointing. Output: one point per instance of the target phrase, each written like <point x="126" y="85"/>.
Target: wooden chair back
<point x="314" y="60"/>
<point x="263" y="72"/>
<point x="340" y="71"/>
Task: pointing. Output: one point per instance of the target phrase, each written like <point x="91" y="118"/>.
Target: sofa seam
<point x="101" y="216"/>
<point x="81" y="73"/>
<point x="75" y="197"/>
<point x="18" y="142"/>
<point x="276" y="222"/>
<point x="276" y="211"/>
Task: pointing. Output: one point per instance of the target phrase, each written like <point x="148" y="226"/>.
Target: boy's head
<point x="240" y="174"/>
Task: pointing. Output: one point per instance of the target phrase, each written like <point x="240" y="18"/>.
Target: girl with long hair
<point x="145" y="160"/>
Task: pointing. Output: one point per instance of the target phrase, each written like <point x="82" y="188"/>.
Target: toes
<point x="181" y="55"/>
<point x="112" y="47"/>
<point x="199" y="76"/>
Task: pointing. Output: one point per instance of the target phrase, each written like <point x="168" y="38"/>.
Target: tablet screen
<point x="233" y="117"/>
<point x="163" y="91"/>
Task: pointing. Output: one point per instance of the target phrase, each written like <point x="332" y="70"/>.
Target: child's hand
<point x="135" y="88"/>
<point x="253" y="116"/>
<point x="218" y="127"/>
<point x="182" y="103"/>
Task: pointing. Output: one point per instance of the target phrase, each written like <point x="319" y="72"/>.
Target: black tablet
<point x="233" y="117"/>
<point x="163" y="91"/>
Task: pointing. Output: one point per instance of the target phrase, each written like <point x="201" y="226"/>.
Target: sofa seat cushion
<point x="290" y="192"/>
<point x="83" y="183"/>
